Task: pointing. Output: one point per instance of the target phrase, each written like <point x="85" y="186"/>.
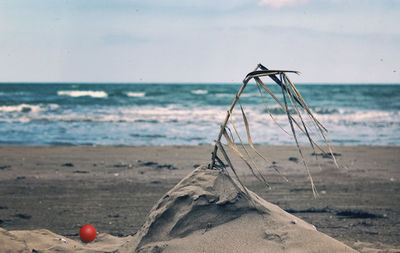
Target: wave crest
<point x="135" y="94"/>
<point x="20" y="108"/>
<point x="81" y="93"/>
<point x="199" y="92"/>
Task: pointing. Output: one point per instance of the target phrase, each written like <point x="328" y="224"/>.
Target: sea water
<point x="188" y="114"/>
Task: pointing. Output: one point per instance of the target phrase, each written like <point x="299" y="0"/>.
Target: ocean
<point x="187" y="114"/>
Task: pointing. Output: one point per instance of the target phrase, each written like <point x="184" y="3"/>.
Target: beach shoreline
<point x="61" y="188"/>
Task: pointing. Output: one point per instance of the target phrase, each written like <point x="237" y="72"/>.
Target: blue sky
<point x="351" y="41"/>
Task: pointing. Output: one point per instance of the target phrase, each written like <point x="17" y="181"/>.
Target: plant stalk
<point x="214" y="153"/>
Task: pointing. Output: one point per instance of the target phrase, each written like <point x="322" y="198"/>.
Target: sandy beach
<point x="62" y="188"/>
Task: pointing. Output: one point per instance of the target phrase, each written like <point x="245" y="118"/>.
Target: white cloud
<point x="282" y="3"/>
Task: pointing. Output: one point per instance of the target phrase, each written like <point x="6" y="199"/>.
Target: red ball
<point x="87" y="233"/>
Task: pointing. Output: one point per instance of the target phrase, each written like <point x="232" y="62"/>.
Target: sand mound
<point x="206" y="212"/>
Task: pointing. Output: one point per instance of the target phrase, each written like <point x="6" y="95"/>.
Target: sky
<point x="328" y="41"/>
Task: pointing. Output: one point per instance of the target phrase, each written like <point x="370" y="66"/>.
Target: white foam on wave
<point x="172" y="113"/>
<point x="24" y="113"/>
<point x="199" y="92"/>
<point x="200" y="114"/>
<point x="338" y="116"/>
<point x="81" y="93"/>
<point x="20" y="108"/>
<point x="200" y="118"/>
<point x="361" y="117"/>
<point x="204" y="121"/>
<point x="135" y="94"/>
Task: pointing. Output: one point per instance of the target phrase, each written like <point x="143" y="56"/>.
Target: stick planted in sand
<point x="292" y="99"/>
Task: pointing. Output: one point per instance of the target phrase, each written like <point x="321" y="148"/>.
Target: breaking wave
<point x="79" y="93"/>
<point x="136" y="94"/>
<point x="20" y="108"/>
<point x="199" y="92"/>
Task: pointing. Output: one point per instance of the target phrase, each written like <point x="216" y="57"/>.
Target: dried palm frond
<point x="292" y="99"/>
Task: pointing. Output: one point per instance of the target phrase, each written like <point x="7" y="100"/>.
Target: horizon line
<point x="195" y="83"/>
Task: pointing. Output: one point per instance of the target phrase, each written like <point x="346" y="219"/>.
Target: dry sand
<point x="208" y="211"/>
<point x="114" y="188"/>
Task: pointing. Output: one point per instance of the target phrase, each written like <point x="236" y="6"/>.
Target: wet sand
<point x="113" y="188"/>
